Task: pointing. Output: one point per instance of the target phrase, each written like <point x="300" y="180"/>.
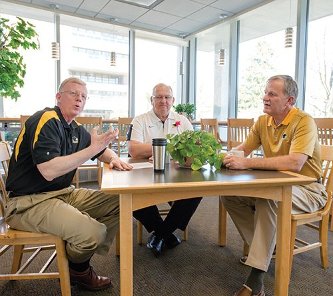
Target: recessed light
<point x="223" y="15"/>
<point x="54" y="6"/>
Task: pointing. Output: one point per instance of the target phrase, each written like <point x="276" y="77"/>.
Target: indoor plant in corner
<point x="186" y="109"/>
<point x="197" y="147"/>
<point x="13" y="39"/>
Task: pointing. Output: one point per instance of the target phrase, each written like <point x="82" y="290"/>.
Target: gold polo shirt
<point x="297" y="133"/>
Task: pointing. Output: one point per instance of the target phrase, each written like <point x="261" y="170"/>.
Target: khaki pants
<point x="86" y="219"/>
<point x="255" y="219"/>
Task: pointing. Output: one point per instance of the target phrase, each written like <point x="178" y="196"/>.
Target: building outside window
<point x="86" y="54"/>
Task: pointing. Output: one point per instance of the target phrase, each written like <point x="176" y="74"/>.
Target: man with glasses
<point x="49" y="149"/>
<point x="157" y="123"/>
<point x="289" y="139"/>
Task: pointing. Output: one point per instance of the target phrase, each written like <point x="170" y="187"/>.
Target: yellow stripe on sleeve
<point x="42" y="121"/>
<point x="18" y="142"/>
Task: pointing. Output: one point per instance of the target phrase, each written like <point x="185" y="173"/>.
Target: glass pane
<point x="319" y="77"/>
<point x="155" y="62"/>
<point x="86" y="54"/>
<point x="38" y="91"/>
<point x="262" y="53"/>
<point x="212" y="74"/>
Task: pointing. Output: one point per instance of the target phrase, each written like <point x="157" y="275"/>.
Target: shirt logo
<point x="75" y="140"/>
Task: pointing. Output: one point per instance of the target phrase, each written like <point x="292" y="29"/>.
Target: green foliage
<point x="253" y="81"/>
<point x="187" y="108"/>
<point x="199" y="146"/>
<point x="13" y="38"/>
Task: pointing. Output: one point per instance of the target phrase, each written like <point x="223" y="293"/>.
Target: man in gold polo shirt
<point x="289" y="140"/>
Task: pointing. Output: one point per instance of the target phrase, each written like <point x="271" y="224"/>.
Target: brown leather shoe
<point x="89" y="280"/>
<point x="247" y="291"/>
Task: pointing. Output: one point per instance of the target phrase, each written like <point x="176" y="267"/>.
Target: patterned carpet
<point x="198" y="267"/>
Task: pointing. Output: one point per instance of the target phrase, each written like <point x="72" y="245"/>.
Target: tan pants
<point x="255" y="219"/>
<point x="86" y="219"/>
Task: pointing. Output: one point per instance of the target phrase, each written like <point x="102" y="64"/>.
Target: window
<point x="39" y="83"/>
<point x="155" y="62"/>
<point x="86" y="54"/>
<point x="212" y="77"/>
<point x="262" y="53"/>
<point x="319" y="75"/>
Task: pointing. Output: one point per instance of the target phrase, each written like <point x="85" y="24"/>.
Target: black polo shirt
<point x="44" y="136"/>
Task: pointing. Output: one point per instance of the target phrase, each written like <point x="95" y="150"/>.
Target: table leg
<point x="282" y="264"/>
<point x="222" y="224"/>
<point x="126" y="245"/>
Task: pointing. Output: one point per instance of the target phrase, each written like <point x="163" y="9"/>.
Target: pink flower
<point x="177" y="123"/>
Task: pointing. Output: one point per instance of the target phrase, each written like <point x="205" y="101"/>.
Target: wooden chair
<point x="238" y="129"/>
<point x="211" y="125"/>
<point x="124" y="124"/>
<point x="23" y="119"/>
<point x="325" y="130"/>
<point x="18" y="239"/>
<point x="325" y="136"/>
<point x="321" y="216"/>
<point x="89" y="123"/>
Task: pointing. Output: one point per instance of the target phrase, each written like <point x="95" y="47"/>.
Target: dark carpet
<point x="197" y="267"/>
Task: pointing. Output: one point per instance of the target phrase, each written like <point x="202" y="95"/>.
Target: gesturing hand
<point x="100" y="141"/>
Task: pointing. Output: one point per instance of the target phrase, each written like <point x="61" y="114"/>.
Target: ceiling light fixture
<point x="113" y="58"/>
<point x="223" y="16"/>
<point x="55" y="50"/>
<point x="288" y="38"/>
<point x="221" y="56"/>
<point x="288" y="41"/>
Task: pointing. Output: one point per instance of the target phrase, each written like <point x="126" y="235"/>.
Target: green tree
<point x="13" y="38"/>
<point x="254" y="78"/>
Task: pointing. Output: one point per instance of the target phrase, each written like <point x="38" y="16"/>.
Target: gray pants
<point x="255" y="219"/>
<point x="86" y="219"/>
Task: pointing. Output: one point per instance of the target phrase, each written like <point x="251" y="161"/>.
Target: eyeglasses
<point x="76" y="94"/>
<point x="160" y="98"/>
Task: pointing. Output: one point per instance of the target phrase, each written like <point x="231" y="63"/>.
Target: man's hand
<point x="117" y="164"/>
<point x="100" y="141"/>
<point x="234" y="162"/>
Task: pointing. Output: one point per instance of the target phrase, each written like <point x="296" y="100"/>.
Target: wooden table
<point x="142" y="187"/>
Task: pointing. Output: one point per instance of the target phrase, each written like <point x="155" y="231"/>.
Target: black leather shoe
<point x="172" y="241"/>
<point x="156" y="244"/>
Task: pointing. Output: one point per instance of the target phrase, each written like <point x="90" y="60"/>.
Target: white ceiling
<point x="171" y="17"/>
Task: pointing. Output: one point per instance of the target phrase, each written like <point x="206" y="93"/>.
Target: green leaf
<point x="14" y="38"/>
<point x="199" y="145"/>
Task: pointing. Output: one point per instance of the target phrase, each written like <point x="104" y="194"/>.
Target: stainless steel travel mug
<point x="159" y="153"/>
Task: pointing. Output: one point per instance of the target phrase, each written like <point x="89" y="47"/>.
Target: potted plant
<point x="14" y="38"/>
<point x="186" y="109"/>
<point x="196" y="148"/>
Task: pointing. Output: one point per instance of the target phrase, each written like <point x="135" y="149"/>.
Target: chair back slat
<point x="89" y="122"/>
<point x="210" y="125"/>
<point x="325" y="130"/>
<point x="327" y="161"/>
<point x="5" y="153"/>
<point x="124" y="125"/>
<point x="238" y="130"/>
